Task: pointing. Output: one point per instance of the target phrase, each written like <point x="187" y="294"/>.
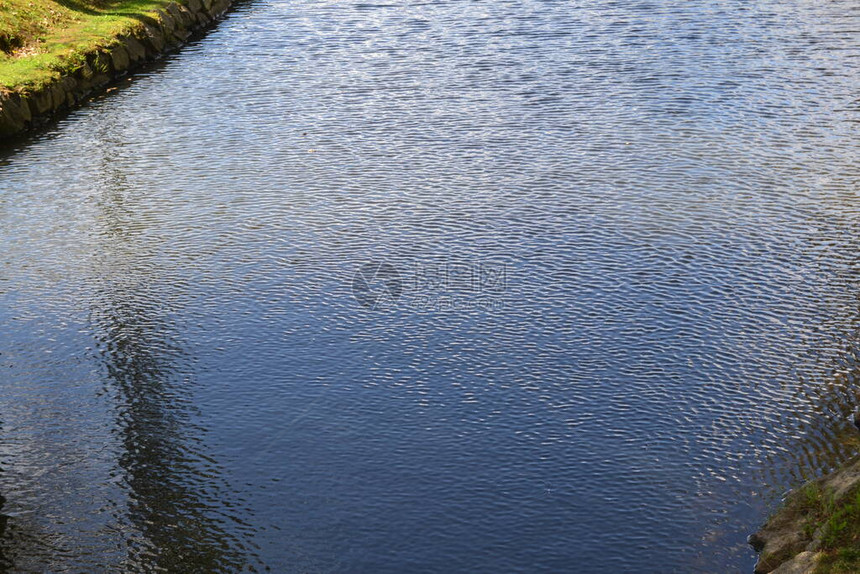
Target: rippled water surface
<point x="617" y="319"/>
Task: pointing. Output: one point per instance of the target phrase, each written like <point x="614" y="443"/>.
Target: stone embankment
<point x="168" y="29"/>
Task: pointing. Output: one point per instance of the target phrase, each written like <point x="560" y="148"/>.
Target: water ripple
<point x="657" y="201"/>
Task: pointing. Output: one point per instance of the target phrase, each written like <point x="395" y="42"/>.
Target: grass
<point x="838" y="525"/>
<point x="42" y="39"/>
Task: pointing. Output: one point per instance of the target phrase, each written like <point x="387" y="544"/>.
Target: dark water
<point x="619" y="315"/>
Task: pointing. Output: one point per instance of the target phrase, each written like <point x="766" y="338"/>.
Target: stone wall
<point x="170" y="28"/>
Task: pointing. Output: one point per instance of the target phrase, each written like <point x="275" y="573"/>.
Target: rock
<point x="70" y="87"/>
<point x="136" y="51"/>
<point x="174" y="10"/>
<point x="153" y="39"/>
<point x="84" y="74"/>
<point x="119" y="60"/>
<point x="181" y="35"/>
<point x="100" y="63"/>
<point x="803" y="563"/>
<point x="41" y="102"/>
<point x="168" y="24"/>
<point x="58" y="96"/>
<point x="782" y="540"/>
<point x="844" y="479"/>
<point x="220" y="6"/>
<point x="784" y="543"/>
<point x="13" y="115"/>
<point x="203" y="19"/>
<point x="188" y="18"/>
<point x="756" y="541"/>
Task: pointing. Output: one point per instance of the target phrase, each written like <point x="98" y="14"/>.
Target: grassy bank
<point x="835" y="523"/>
<point x="40" y="40"/>
<point x="817" y="529"/>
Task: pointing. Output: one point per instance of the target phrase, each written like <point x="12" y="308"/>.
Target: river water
<point x="436" y="287"/>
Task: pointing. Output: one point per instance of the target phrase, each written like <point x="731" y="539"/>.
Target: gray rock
<point x="803" y="563"/>
<point x="136" y="51"/>
<point x="221" y="5"/>
<point x="58" y="96"/>
<point x="13" y="115"/>
<point x="168" y="24"/>
<point x="174" y="10"/>
<point x="100" y="62"/>
<point x="154" y="39"/>
<point x="188" y="18"/>
<point x="84" y="73"/>
<point x="181" y="34"/>
<point x="70" y="87"/>
<point x="119" y="60"/>
<point x="203" y="19"/>
<point x="42" y="102"/>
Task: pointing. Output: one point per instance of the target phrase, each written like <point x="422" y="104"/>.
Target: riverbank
<point x="54" y="55"/>
<point x="817" y="529"/>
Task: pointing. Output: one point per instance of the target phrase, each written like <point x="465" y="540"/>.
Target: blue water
<point x="444" y="287"/>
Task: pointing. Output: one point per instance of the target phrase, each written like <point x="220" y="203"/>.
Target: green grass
<point x="42" y="39"/>
<point x="842" y="561"/>
<point x="838" y="522"/>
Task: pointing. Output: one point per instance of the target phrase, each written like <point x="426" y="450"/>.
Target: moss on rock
<point x="817" y="529"/>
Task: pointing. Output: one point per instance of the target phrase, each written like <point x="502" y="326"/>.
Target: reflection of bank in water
<point x="172" y="485"/>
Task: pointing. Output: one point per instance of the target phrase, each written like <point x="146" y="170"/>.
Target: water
<point x="619" y="317"/>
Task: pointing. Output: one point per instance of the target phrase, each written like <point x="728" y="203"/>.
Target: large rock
<point x="168" y="24"/>
<point x="188" y="19"/>
<point x="203" y="19"/>
<point x="176" y="12"/>
<point x="59" y="100"/>
<point x="41" y="102"/>
<point x="136" y="50"/>
<point x="14" y="115"/>
<point x="153" y="38"/>
<point x="119" y="60"/>
<point x="803" y="563"/>
<point x="780" y="540"/>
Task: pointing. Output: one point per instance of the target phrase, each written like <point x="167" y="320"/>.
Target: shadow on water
<point x="19" y="540"/>
<point x="182" y="510"/>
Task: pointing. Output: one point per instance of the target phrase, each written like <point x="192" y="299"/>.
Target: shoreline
<point x="816" y="528"/>
<point x="29" y="106"/>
